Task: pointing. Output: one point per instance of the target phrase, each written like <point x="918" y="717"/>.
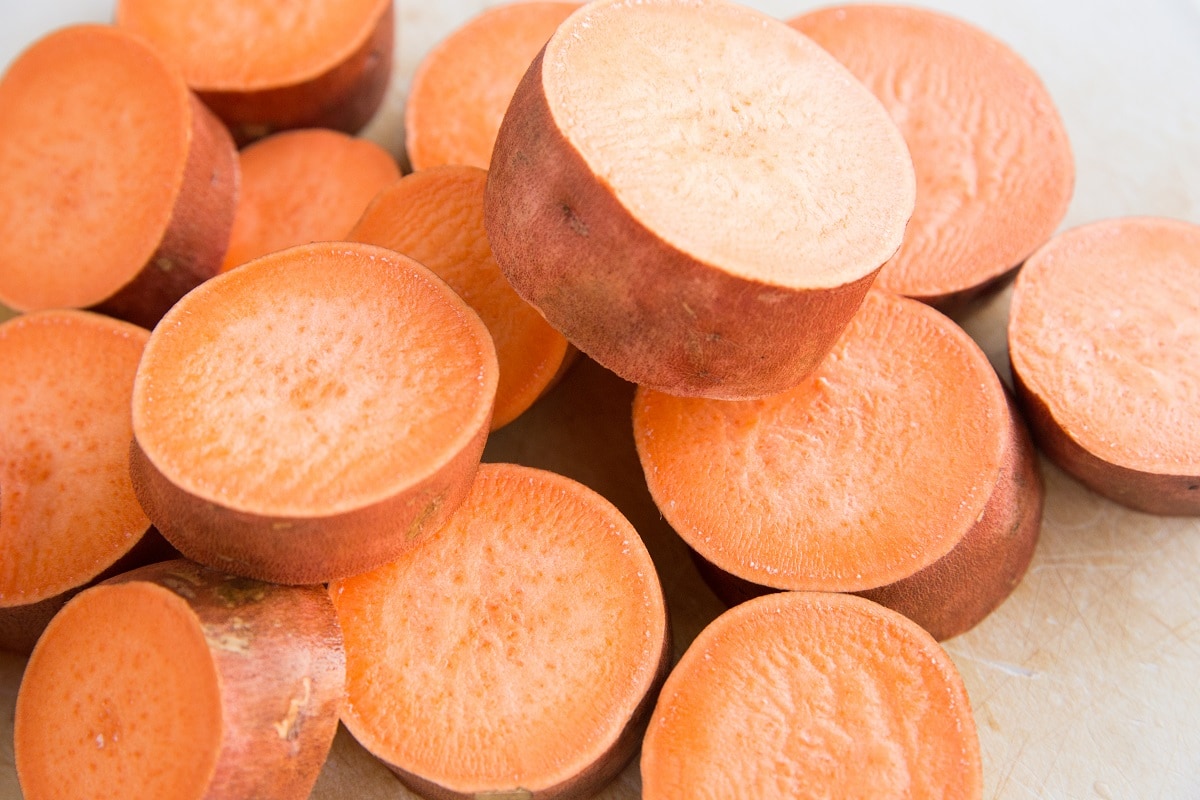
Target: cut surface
<point x="872" y="468"/>
<point x="462" y="88"/>
<point x="304" y="186"/>
<point x="510" y="650"/>
<point x="120" y="700"/>
<point x="67" y="507"/>
<point x="436" y="217"/>
<point x="994" y="168"/>
<point x="810" y="695"/>
<point x="1104" y="328"/>
<point x="94" y="131"/>
<point x="239" y="45"/>
<point x="312" y="381"/>
<point x="693" y="111"/>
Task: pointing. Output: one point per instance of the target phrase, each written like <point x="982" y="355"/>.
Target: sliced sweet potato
<point x="463" y="86"/>
<point x="263" y="67"/>
<point x="436" y="217"/>
<point x="311" y="414"/>
<point x="1103" y="334"/>
<point x="898" y="464"/>
<point x="695" y="194"/>
<point x="117" y="186"/>
<point x="808" y="694"/>
<point x="515" y="654"/>
<point x="994" y="167"/>
<point x="174" y="681"/>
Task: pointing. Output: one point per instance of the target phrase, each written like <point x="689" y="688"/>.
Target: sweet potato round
<point x="699" y="225"/>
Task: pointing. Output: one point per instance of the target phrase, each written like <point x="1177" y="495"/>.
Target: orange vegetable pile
<point x="747" y="238"/>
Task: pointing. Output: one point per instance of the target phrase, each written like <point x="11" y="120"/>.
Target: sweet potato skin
<point x="1153" y="493"/>
<point x="310" y="550"/>
<point x="639" y="306"/>
<point x="194" y="242"/>
<point x="344" y="98"/>
<point x="956" y="592"/>
<point x="278" y="652"/>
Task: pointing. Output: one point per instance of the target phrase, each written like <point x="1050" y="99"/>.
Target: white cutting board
<point x="1086" y="683"/>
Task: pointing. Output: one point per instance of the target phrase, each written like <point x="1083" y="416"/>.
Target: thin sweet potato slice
<point x="67" y="507"/>
<point x="897" y="452"/>
<point x="812" y="695"/>
<point x="311" y="414"/>
<point x="1103" y="336"/>
<point x="994" y="168"/>
<point x="463" y="86"/>
<point x="174" y="681"/>
<point x="698" y="224"/>
<point x="436" y="217"/>
<point x="117" y="186"/>
<point x="515" y="654"/>
<point x="263" y="67"/>
<point x="304" y="186"/>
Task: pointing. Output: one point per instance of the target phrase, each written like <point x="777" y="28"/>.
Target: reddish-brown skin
<point x="281" y="669"/>
<point x="303" y="550"/>
<point x="589" y="781"/>
<point x="20" y="626"/>
<point x="645" y="310"/>
<point x="956" y="592"/>
<point x="194" y="242"/>
<point x="1152" y="492"/>
<point x="344" y="98"/>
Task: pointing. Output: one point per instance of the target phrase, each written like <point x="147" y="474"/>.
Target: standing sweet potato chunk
<point x="695" y="194"/>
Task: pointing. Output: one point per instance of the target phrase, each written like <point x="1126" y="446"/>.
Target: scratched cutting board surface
<point x="1086" y="682"/>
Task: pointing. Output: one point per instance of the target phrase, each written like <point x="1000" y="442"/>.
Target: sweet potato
<point x="174" y="681"/>
<point x="312" y="413"/>
<point x="1103" y="335"/>
<point x="700" y="225"/>
<point x="117" y="186"/>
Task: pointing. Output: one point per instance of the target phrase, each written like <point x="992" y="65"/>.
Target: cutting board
<point x="1086" y="682"/>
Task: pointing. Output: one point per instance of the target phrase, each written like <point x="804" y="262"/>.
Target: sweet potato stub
<point x="872" y="468"/>
<point x="94" y="137"/>
<point x="749" y="148"/>
<point x="127" y="701"/>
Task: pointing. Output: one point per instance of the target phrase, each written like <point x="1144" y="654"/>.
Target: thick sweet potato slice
<point x="311" y="414"/>
<point x="515" y="654"/>
<point x="174" y="681"/>
<point x="1104" y="337"/>
<point x="812" y="695"/>
<point x="695" y="194"/>
<point x="117" y="186"/>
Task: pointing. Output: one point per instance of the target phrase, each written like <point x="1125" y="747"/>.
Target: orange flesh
<point x="809" y="695"/>
<point x="436" y="217"/>
<point x="304" y="186"/>
<point x="510" y="649"/>
<point x="313" y="381"/>
<point x="994" y="167"/>
<point x="659" y="101"/>
<point x="243" y="46"/>
<point x="67" y="507"/>
<point x="94" y="135"/>
<point x="462" y="88"/>
<point x="1105" y="328"/>
<point x="120" y="700"/>
<point x="872" y="468"/>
